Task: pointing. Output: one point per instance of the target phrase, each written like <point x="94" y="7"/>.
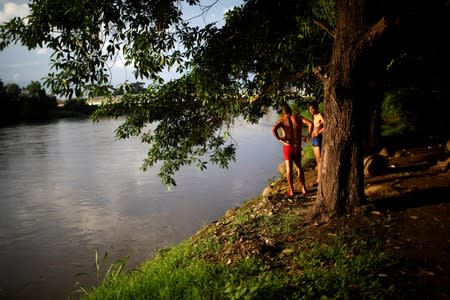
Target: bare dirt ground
<point x="412" y="201"/>
<point x="409" y="205"/>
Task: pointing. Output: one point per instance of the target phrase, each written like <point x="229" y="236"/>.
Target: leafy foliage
<point x="86" y="37"/>
<point x="267" y="52"/>
<point x="404" y="116"/>
<point x="260" y="54"/>
<point x="187" y="118"/>
<point x="184" y="130"/>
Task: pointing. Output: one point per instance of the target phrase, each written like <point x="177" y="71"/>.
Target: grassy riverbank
<point x="267" y="248"/>
<point x="263" y="250"/>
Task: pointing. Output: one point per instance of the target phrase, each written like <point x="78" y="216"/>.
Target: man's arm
<point x="320" y="130"/>
<point x="310" y="125"/>
<point x="275" y="130"/>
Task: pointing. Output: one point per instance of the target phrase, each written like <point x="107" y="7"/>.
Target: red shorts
<point x="291" y="151"/>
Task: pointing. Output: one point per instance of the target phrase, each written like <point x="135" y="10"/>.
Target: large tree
<point x="267" y="52"/>
<point x="374" y="42"/>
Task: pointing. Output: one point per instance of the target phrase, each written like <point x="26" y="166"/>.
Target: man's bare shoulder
<point x="279" y="122"/>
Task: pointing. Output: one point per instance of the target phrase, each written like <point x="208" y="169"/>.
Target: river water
<point x="68" y="188"/>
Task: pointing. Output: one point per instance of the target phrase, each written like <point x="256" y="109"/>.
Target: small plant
<point x="112" y="272"/>
<point x="104" y="273"/>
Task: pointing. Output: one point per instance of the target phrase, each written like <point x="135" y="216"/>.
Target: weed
<point x="106" y="273"/>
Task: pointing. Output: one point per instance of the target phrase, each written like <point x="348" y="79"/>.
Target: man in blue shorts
<point x="316" y="135"/>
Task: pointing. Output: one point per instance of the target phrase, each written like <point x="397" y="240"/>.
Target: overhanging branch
<point x="325" y="28"/>
<point x="373" y="33"/>
<point x="321" y="74"/>
<point x="267" y="88"/>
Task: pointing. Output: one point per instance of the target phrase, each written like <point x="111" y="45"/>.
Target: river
<point x="68" y="188"/>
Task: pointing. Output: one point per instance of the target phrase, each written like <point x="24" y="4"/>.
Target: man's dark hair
<point x="314" y="104"/>
<point x="286" y="109"/>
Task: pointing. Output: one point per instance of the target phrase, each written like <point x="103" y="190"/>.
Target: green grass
<point x="307" y="154"/>
<point x="345" y="264"/>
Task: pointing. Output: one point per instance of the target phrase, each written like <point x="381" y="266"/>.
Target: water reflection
<point x="67" y="188"/>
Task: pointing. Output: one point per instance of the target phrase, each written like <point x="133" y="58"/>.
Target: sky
<point x="20" y="65"/>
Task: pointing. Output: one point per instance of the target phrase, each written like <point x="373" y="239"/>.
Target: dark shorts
<point x="291" y="151"/>
<point x="317" y="141"/>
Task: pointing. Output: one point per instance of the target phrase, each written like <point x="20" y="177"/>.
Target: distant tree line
<point x="25" y="104"/>
<point x="32" y="104"/>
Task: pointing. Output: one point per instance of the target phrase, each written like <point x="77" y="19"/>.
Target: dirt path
<point x="414" y="200"/>
<point x="411" y="200"/>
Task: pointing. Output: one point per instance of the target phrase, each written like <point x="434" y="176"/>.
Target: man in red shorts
<point x="291" y="138"/>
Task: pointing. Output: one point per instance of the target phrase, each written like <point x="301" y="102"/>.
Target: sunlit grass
<point x="307" y="154"/>
<point x="341" y="265"/>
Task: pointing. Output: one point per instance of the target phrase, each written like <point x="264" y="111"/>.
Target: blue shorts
<point x="317" y="141"/>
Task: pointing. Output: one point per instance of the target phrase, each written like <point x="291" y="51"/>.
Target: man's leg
<point x="289" y="177"/>
<point x="317" y="155"/>
<point x="301" y="174"/>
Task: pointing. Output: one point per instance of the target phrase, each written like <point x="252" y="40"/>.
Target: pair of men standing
<point x="292" y="140"/>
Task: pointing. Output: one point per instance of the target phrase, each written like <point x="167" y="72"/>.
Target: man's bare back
<point x="292" y="129"/>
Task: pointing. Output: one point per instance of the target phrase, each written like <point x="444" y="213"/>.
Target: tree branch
<point x="325" y="28"/>
<point x="321" y="74"/>
<point x="373" y="33"/>
<point x="269" y="87"/>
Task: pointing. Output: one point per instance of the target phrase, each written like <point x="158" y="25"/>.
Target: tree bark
<point x="341" y="188"/>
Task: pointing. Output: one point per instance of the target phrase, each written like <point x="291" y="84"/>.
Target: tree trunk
<point x="342" y="178"/>
<point x="372" y="133"/>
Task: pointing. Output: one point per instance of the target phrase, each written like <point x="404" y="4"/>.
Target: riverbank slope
<point x="395" y="246"/>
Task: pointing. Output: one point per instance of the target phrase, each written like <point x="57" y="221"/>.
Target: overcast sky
<point x="21" y="66"/>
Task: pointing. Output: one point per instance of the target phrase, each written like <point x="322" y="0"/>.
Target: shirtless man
<point x="292" y="144"/>
<point x="316" y="135"/>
